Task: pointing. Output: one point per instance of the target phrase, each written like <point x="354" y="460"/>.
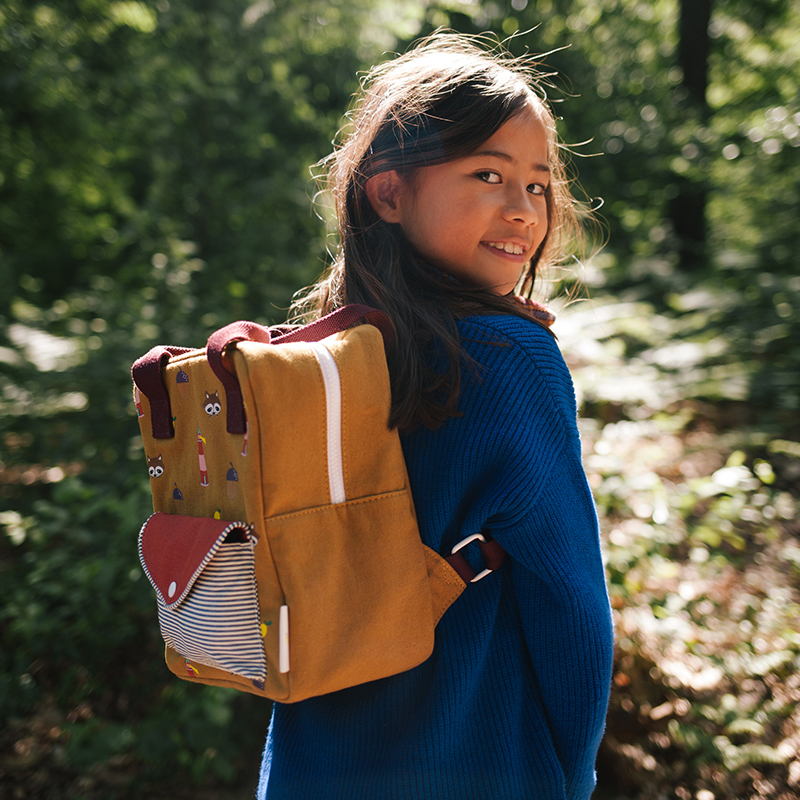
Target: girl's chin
<point x="497" y="281"/>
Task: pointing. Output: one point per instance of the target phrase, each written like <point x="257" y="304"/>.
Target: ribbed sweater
<point x="513" y="700"/>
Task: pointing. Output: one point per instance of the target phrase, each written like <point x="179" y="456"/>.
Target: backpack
<point x="284" y="550"/>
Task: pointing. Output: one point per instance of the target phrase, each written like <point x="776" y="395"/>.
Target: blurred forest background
<point x="154" y="185"/>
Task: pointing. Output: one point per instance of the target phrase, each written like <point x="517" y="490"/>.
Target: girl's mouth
<point x="507" y="247"/>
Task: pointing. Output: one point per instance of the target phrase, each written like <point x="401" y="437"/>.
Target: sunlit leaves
<point x="134" y="14"/>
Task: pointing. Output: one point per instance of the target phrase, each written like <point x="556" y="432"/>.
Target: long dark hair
<point x="438" y="102"/>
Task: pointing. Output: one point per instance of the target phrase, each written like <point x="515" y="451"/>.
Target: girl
<point x="450" y="193"/>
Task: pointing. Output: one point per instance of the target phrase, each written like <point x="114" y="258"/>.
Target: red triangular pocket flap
<point x="174" y="549"/>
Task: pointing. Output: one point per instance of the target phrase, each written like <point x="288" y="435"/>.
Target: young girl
<point x="450" y="194"/>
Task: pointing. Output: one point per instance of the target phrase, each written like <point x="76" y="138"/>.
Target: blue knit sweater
<point x="512" y="702"/>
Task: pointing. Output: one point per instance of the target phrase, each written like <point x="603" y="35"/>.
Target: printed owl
<point x="212" y="405"/>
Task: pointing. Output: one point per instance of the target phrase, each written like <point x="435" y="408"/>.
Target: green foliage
<point x="56" y="604"/>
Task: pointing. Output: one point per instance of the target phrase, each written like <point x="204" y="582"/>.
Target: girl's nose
<point x="520" y="206"/>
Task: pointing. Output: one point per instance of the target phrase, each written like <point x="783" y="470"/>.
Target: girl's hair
<point x="440" y="101"/>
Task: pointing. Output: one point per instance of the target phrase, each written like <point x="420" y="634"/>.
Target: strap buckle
<point x="479" y="537"/>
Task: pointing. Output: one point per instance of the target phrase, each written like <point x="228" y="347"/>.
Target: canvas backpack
<point x="284" y="549"/>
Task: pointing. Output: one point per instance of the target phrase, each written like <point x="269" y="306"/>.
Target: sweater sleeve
<point x="540" y="509"/>
<point x="560" y="588"/>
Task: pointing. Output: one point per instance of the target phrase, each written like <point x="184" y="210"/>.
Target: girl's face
<point x="482" y="217"/>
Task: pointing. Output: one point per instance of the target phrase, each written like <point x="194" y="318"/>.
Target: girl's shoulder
<point x="521" y="359"/>
<point x="527" y="338"/>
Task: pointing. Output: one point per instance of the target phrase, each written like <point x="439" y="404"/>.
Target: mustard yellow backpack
<point x="284" y="549"/>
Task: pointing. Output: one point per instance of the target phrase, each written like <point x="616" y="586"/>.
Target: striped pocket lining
<point x="216" y="619"/>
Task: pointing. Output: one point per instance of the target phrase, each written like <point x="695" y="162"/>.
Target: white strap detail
<point x="333" y="403"/>
<point x="283" y="640"/>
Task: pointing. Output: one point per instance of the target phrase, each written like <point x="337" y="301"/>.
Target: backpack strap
<point x="339" y="320"/>
<point x="146" y="371"/>
<point x="450" y="576"/>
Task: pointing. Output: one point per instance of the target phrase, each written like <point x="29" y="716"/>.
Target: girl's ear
<point x="383" y="192"/>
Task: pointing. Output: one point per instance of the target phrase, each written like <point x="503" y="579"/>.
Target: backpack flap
<point x="174" y="549"/>
<point x="203" y="572"/>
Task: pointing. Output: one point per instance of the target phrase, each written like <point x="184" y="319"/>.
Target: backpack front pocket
<point x="203" y="572"/>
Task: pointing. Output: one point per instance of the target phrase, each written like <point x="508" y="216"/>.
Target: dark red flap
<point x="174" y="549"/>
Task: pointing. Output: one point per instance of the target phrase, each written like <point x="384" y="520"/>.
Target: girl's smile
<point x="480" y="218"/>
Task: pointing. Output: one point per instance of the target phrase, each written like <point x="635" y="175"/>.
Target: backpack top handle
<point x="146" y="374"/>
<point x="146" y="371"/>
<point x="339" y="320"/>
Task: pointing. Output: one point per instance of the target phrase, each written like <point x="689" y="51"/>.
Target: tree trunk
<point x="688" y="209"/>
<point x="693" y="48"/>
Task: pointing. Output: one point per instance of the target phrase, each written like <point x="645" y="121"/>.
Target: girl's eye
<point x="488" y="177"/>
<point x="537" y="188"/>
